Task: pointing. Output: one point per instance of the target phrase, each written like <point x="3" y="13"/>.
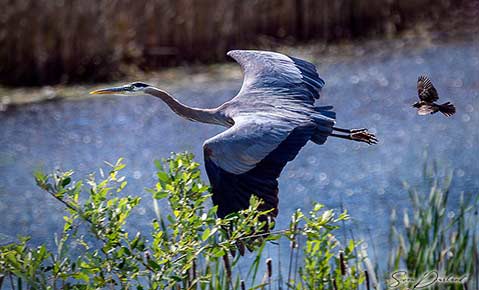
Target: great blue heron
<point x="427" y="96"/>
<point x="271" y="118"/>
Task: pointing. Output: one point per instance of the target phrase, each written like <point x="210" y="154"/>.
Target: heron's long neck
<point x="211" y="116"/>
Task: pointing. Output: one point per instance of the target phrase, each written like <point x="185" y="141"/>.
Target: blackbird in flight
<point x="427" y="96"/>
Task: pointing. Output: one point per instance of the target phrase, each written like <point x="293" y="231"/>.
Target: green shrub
<point x="187" y="248"/>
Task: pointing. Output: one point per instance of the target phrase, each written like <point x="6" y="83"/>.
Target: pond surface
<point x="375" y="91"/>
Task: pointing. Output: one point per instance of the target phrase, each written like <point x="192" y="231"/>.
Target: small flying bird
<point x="271" y="118"/>
<point x="427" y="96"/>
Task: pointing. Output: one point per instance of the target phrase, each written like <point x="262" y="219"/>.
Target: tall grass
<point x="50" y="41"/>
<point x="436" y="235"/>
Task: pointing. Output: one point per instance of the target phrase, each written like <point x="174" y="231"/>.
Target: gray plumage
<point x="271" y="118"/>
<point x="276" y="97"/>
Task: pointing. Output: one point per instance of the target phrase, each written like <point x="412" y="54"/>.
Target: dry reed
<point x="51" y="41"/>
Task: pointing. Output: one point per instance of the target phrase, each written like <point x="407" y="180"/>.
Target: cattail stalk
<point x="367" y="280"/>
<point x="293" y="245"/>
<point x="335" y="286"/>
<point x="226" y="261"/>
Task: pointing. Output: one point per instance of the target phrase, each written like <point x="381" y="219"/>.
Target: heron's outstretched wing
<point x="249" y="157"/>
<point x="426" y="91"/>
<point x="274" y="75"/>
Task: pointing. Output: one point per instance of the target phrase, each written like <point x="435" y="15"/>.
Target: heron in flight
<point x="427" y="96"/>
<point x="270" y="119"/>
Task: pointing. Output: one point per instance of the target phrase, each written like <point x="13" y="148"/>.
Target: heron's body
<point x="273" y="120"/>
<point x="269" y="121"/>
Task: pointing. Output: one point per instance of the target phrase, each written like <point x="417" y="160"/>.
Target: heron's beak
<point x="109" y="91"/>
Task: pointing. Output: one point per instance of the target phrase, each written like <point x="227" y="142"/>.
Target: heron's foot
<point x="362" y="135"/>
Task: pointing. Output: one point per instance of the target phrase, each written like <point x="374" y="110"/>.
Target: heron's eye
<point x="134" y="87"/>
<point x="138" y="86"/>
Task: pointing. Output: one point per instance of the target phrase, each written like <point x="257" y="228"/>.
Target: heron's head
<point x="129" y="89"/>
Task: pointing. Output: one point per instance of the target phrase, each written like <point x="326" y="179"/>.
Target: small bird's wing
<point x="276" y="78"/>
<point x="426" y="91"/>
<point x="249" y="157"/>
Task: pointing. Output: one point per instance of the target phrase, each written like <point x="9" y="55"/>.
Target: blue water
<point x="373" y="90"/>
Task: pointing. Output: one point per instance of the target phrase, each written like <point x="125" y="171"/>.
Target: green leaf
<point x="206" y="234"/>
<point x="135" y="241"/>
<point x="218" y="252"/>
<point x="153" y="264"/>
<point x="158" y="165"/>
<point x="163" y="176"/>
<point x="122" y="186"/>
<point x="160" y="194"/>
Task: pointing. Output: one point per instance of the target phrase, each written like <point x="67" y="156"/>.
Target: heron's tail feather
<point x="324" y="117"/>
<point x="447" y="109"/>
<point x="326" y="111"/>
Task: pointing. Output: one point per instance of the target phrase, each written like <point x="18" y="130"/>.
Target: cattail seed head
<point x="226" y="261"/>
<point x="193" y="268"/>
<point x="342" y="263"/>
<point x="406" y="219"/>
<point x="269" y="266"/>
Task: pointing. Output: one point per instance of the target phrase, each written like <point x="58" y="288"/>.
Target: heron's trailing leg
<point x="349" y="130"/>
<point x="360" y="135"/>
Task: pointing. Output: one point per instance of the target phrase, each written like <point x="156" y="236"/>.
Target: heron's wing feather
<point x="426" y="91"/>
<point x="251" y="139"/>
<point x="274" y="75"/>
<point x="247" y="159"/>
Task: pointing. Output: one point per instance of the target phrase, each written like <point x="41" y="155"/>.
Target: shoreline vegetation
<point x="460" y="24"/>
<point x="423" y="36"/>
<point x="93" y="41"/>
<point x="189" y="248"/>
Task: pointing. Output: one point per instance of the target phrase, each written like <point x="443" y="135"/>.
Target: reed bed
<point x="436" y="235"/>
<point x="51" y="41"/>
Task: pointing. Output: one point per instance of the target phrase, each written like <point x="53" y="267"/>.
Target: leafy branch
<point x="188" y="247"/>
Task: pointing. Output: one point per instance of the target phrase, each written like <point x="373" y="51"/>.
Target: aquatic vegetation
<point x="436" y="240"/>
<point x="187" y="248"/>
